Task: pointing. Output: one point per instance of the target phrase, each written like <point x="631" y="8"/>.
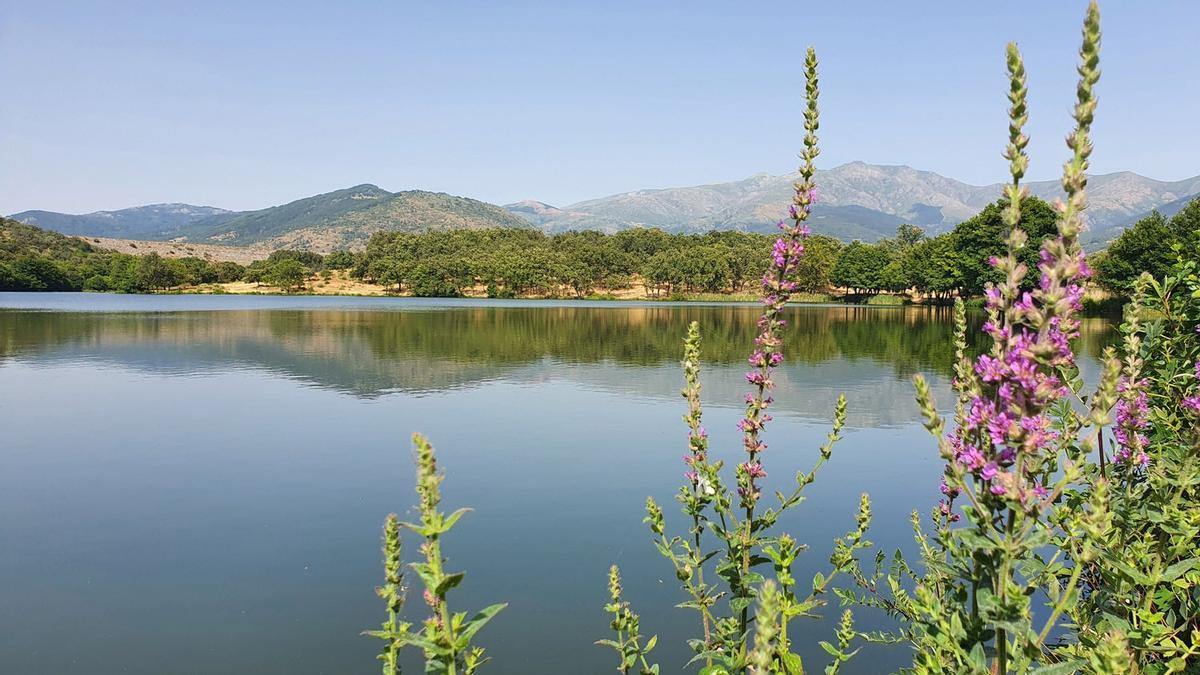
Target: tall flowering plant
<point x="445" y="636"/>
<point x="1008" y="530"/>
<point x="1144" y="581"/>
<point x="722" y="562"/>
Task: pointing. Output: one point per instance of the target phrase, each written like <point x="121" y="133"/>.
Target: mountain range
<point x="340" y="219"/>
<point x="855" y="201"/>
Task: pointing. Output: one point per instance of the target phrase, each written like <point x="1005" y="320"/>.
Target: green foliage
<point x="445" y="636"/>
<point x="1143" y="581"/>
<point x="340" y="259"/>
<point x="155" y="273"/>
<point x="32" y="259"/>
<point x="229" y="271"/>
<point x="511" y="263"/>
<point x="631" y="652"/>
<point x="934" y="267"/>
<point x="861" y="267"/>
<point x="980" y="239"/>
<point x="816" y="266"/>
<point x="287" y="273"/>
<point x="1147" y="247"/>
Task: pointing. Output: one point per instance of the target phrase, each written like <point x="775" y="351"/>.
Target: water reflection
<point x="868" y="353"/>
<point x="205" y="487"/>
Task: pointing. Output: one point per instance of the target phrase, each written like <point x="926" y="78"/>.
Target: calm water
<point x="196" y="484"/>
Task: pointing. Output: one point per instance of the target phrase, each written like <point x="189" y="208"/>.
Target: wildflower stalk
<point x="763" y="656"/>
<point x="625" y="624"/>
<point x="778" y="286"/>
<point x="737" y="519"/>
<point x="447" y="635"/>
<point x="394" y="632"/>
<point x="1017" y="444"/>
<point x="703" y="479"/>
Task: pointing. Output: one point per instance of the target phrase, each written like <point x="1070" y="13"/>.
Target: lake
<point x="196" y="484"/>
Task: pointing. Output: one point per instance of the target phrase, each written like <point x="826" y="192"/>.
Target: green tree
<point x="814" y="270"/>
<point x="340" y="259"/>
<point x="255" y="272"/>
<point x="228" y="271"/>
<point x="933" y="267"/>
<point x="439" y="276"/>
<point x="1185" y="226"/>
<point x="39" y="273"/>
<point x="907" y="236"/>
<point x="311" y="261"/>
<point x="981" y="238"/>
<point x="287" y="273"/>
<point x="196" y="270"/>
<point x="155" y="273"/>
<point x="860" y="268"/>
<point x="1145" y="247"/>
<point x="659" y="274"/>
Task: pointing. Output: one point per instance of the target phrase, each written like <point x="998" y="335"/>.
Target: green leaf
<point x="1063" y="668"/>
<point x="448" y="582"/>
<point x="452" y="519"/>
<point x="1176" y="570"/>
<point x="480" y="620"/>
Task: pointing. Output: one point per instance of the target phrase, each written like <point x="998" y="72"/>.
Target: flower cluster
<point x="778" y="285"/>
<point x="1131" y="422"/>
<point x="1004" y="437"/>
<point x="1193" y="402"/>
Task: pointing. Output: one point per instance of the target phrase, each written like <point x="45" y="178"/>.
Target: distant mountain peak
<point x="857" y="200"/>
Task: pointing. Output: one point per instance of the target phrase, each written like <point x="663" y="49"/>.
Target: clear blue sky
<point x="246" y="104"/>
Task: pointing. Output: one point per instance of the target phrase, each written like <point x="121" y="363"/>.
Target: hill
<point x="340" y="219"/>
<point x="857" y="201"/>
<point x="155" y="221"/>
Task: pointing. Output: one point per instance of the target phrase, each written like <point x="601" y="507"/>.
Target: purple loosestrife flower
<point x="754" y="470"/>
<point x="778" y="285"/>
<point x="1193" y="402"/>
<point x="1004" y="439"/>
<point x="1131" y="422"/>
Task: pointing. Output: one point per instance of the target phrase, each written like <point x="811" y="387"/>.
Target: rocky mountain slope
<point x="155" y="221"/>
<point x="340" y="219"/>
<point x="348" y="218"/>
<point x="856" y="201"/>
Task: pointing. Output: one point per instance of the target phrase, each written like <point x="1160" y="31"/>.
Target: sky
<point x="247" y="104"/>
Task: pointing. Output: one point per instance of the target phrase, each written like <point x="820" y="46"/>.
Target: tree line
<point x="508" y="262"/>
<point x="33" y="259"/>
<point x="1152" y="245"/>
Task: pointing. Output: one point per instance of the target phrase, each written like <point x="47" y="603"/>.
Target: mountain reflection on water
<point x="868" y="353"/>
<point x="201" y="480"/>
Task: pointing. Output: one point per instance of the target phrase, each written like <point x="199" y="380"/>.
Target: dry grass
<point x="243" y="255"/>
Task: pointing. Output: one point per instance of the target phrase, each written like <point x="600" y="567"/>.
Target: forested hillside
<point x="33" y="259"/>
